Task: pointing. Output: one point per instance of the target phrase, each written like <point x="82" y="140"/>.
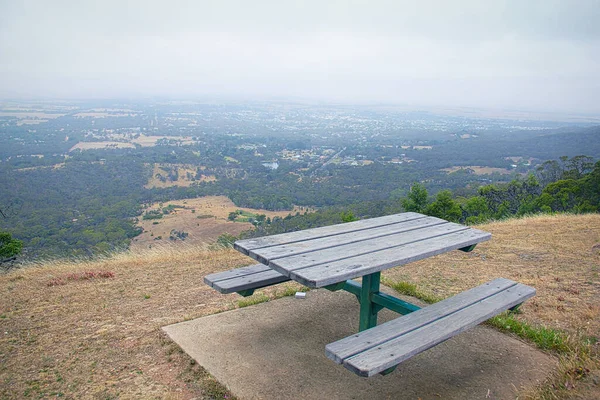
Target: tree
<point x="578" y="166"/>
<point x="476" y="210"/>
<point x="348" y="216"/>
<point x="444" y="207"/>
<point x="550" y="171"/>
<point x="417" y="198"/>
<point x="9" y="247"/>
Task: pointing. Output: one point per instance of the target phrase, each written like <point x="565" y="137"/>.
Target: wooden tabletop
<point x="323" y="256"/>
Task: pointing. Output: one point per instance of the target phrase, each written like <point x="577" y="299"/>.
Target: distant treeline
<point x="565" y="185"/>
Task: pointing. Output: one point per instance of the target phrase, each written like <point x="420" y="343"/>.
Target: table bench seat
<point x="380" y="349"/>
<point x="244" y="280"/>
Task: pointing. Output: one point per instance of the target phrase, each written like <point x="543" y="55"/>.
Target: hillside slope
<point x="91" y="329"/>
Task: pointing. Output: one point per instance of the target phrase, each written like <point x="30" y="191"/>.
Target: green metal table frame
<point x="372" y="301"/>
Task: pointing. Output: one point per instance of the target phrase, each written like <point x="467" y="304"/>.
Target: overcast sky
<point x="524" y="54"/>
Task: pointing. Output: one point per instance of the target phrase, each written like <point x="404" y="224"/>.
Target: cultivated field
<point x="129" y="142"/>
<point x="106" y="112"/>
<point x="204" y="219"/>
<point x="101" y="145"/>
<point x="149" y="141"/>
<point x="90" y="330"/>
<point x="29" y="115"/>
<point x="480" y="170"/>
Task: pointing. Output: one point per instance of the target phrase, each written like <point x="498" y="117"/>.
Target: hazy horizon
<point x="538" y="56"/>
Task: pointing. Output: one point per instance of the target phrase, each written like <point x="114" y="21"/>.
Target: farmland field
<point x="480" y="170"/>
<point x="204" y="219"/>
<point x="149" y="141"/>
<point x="101" y="145"/>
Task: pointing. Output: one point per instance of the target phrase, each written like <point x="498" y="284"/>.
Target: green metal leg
<point x="368" y="309"/>
<point x="389" y="370"/>
<point x="515" y="309"/>
<point x="468" y="248"/>
<point x="336" y="286"/>
<point x="371" y="300"/>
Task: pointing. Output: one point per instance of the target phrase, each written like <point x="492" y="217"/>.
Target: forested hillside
<point x="75" y="177"/>
<point x="567" y="185"/>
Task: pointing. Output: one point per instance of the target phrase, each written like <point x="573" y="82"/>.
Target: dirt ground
<point x="92" y="330"/>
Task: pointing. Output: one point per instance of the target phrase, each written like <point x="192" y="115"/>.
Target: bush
<point x="9" y="247"/>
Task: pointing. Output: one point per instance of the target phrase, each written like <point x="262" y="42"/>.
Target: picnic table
<point x="332" y="257"/>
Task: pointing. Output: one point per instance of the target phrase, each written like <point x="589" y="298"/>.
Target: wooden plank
<point x="250" y="277"/>
<point x="252" y="281"/>
<point x="393" y="352"/>
<point x="352" y="345"/>
<point x="267" y="254"/>
<point x="345" y="251"/>
<point x="354" y="267"/>
<point x="234" y="273"/>
<point x="246" y="245"/>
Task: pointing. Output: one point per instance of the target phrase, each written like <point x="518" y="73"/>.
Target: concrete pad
<point x="276" y="350"/>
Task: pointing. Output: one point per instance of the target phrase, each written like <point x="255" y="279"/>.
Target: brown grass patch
<point x="149" y="141"/>
<point x="203" y="218"/>
<point x="551" y="253"/>
<point x="93" y="114"/>
<point x="183" y="180"/>
<point x="101" y="145"/>
<point x="100" y="337"/>
<point x="480" y="170"/>
<point x="31" y="121"/>
<point x="29" y="114"/>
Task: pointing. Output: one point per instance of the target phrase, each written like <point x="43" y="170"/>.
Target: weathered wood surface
<point x="362" y="264"/>
<point x="380" y="348"/>
<point x="315" y="233"/>
<point x="324" y="256"/>
<point x="312" y="245"/>
<point x="245" y="278"/>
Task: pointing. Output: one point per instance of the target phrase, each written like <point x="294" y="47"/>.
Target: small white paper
<point x="300" y="295"/>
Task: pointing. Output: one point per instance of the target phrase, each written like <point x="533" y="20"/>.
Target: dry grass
<point x="554" y="254"/>
<point x="149" y="141"/>
<point x="100" y="114"/>
<point x="182" y="170"/>
<point x="99" y="337"/>
<point x="190" y="219"/>
<point x="31" y="121"/>
<point x="480" y="170"/>
<point x="101" y="145"/>
<point x="97" y="334"/>
<point x="551" y="253"/>
<point x="29" y="114"/>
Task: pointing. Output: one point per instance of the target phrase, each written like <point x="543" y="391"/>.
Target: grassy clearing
<point x="91" y="328"/>
<point x="97" y="333"/>
<point x="203" y="218"/>
<point x="477" y="170"/>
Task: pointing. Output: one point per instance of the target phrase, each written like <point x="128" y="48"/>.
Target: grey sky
<point x="539" y="55"/>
